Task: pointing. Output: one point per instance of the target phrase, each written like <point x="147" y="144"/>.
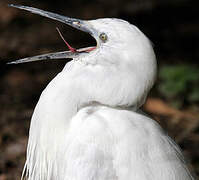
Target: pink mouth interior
<point x="74" y="49"/>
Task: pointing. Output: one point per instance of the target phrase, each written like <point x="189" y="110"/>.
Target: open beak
<point x="76" y="23"/>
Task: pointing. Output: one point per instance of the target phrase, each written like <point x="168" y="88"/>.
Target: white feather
<point x="82" y="127"/>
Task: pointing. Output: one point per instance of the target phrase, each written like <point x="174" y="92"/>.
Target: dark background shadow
<point x="172" y="26"/>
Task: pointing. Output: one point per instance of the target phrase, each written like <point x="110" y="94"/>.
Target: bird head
<point x="116" y="39"/>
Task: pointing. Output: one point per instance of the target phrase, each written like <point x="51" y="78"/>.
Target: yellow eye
<point x="103" y="37"/>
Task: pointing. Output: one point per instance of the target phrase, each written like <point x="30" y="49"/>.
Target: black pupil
<point x="103" y="36"/>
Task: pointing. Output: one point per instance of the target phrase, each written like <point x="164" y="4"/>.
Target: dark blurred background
<point x="172" y="26"/>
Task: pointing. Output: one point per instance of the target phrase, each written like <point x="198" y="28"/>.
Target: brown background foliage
<point x="172" y="25"/>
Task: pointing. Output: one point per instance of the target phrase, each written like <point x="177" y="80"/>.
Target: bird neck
<point x="77" y="86"/>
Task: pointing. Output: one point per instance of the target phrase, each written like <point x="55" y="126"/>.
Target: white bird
<point x="86" y="125"/>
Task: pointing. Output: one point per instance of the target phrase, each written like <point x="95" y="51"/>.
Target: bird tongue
<point x="68" y="45"/>
<point x="73" y="50"/>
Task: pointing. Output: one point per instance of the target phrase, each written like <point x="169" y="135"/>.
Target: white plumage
<point x="86" y="125"/>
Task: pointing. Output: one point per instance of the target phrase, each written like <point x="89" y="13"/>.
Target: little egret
<point x="86" y="125"/>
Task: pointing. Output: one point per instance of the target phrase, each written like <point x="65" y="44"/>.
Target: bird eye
<point x="103" y="37"/>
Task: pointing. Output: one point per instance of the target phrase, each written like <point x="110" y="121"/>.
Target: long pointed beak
<point x="57" y="55"/>
<point x="75" y="23"/>
<point x="49" y="56"/>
